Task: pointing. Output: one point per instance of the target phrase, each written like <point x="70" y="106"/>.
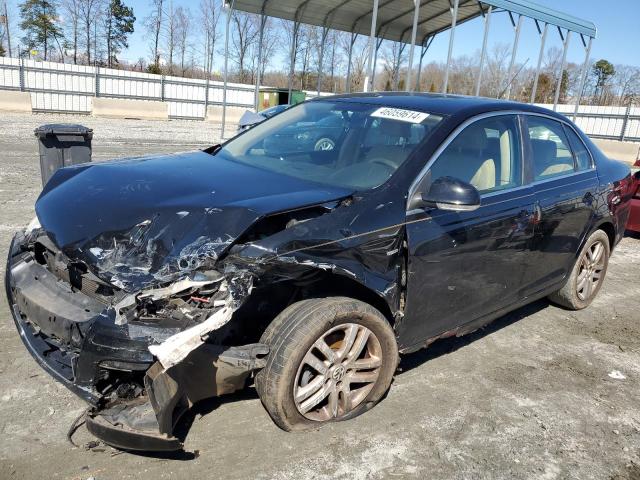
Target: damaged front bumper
<point x="136" y="401"/>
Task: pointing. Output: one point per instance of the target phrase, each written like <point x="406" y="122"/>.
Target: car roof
<point x="438" y="103"/>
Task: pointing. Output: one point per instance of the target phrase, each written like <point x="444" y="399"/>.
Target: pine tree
<point x="40" y="24"/>
<point x="119" y="24"/>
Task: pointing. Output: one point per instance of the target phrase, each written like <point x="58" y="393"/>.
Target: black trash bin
<point x="62" y="145"/>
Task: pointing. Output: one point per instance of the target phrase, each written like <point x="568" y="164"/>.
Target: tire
<point x="292" y="338"/>
<point x="324" y="144"/>
<point x="570" y="295"/>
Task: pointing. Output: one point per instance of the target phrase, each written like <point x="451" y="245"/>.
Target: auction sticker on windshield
<point x="400" y="114"/>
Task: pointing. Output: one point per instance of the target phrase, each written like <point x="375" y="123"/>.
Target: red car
<point x="633" y="223"/>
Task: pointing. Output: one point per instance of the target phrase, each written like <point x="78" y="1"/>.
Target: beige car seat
<point x="468" y="159"/>
<point x="546" y="161"/>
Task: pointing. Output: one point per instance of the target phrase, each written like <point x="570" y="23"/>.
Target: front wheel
<point x="587" y="275"/>
<point x="324" y="144"/>
<point x="331" y="359"/>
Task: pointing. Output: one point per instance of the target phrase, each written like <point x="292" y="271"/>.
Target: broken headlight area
<point x="141" y="359"/>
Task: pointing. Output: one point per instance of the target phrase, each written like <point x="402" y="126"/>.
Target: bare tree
<point x="244" y="35"/>
<point x="308" y="45"/>
<point x="153" y="24"/>
<point x="497" y="66"/>
<point x="359" y="54"/>
<point x="269" y="47"/>
<point x="210" y="13"/>
<point x="171" y="35"/>
<point x="4" y="31"/>
<point x="627" y="82"/>
<point x="183" y="33"/>
<point x="392" y="60"/>
<point x="72" y="10"/>
<point x="89" y="13"/>
<point x="332" y="45"/>
<point x="293" y="33"/>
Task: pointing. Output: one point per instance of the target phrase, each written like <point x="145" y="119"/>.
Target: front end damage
<point x="130" y="355"/>
<point x="145" y="311"/>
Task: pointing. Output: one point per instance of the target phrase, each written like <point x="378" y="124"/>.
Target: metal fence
<point x="610" y="123"/>
<point x="64" y="88"/>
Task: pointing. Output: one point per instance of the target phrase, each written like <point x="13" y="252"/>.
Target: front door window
<point x="486" y="154"/>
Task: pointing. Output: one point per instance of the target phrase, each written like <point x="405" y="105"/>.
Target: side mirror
<point x="448" y="193"/>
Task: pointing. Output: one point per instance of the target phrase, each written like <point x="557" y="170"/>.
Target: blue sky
<point x="618" y="23"/>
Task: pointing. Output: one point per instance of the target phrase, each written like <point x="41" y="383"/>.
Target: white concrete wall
<point x="137" y="109"/>
<point x="12" y="101"/>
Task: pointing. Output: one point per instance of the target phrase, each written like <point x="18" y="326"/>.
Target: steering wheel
<point x="384" y="161"/>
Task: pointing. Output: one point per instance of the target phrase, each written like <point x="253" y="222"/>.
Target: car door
<point x="465" y="265"/>
<point x="565" y="184"/>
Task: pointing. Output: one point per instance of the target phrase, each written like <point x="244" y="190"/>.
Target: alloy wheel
<point x="592" y="265"/>
<point x="337" y="372"/>
<point x="324" y="144"/>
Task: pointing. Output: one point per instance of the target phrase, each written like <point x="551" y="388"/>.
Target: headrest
<point x="545" y="150"/>
<point x="395" y="129"/>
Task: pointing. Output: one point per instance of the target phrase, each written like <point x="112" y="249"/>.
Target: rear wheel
<point x="587" y="275"/>
<point x="331" y="359"/>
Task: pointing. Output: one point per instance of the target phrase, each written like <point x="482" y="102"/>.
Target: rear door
<point x="464" y="265"/>
<point x="565" y="183"/>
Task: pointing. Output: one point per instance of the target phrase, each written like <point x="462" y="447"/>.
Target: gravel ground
<point x="531" y="396"/>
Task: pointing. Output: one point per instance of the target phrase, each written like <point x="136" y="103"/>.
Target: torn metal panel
<point x="174" y="349"/>
<point x="147" y="422"/>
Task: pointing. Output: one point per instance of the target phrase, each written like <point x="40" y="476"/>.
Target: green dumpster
<point x="270" y="97"/>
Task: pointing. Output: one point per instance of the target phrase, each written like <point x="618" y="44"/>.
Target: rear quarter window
<point x="580" y="152"/>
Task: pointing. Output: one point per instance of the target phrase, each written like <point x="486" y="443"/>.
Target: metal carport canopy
<point x="395" y="17"/>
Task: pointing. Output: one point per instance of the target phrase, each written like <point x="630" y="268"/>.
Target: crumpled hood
<point x="137" y="223"/>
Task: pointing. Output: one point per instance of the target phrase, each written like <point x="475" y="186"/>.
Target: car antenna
<point x="513" y="78"/>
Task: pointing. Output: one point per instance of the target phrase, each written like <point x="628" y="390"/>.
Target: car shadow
<point x="449" y="345"/>
<point x="408" y="362"/>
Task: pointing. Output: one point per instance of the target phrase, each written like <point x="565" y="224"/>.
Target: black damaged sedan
<point x="146" y="285"/>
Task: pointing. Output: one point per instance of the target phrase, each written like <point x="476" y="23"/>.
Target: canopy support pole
<point x="226" y="67"/>
<point x="354" y="37"/>
<point x="414" y="29"/>
<point x="372" y="36"/>
<point x="263" y="21"/>
<point x="424" y="48"/>
<point x="556" y="98"/>
<point x="375" y="63"/>
<point x="483" y="53"/>
<point x="454" y="18"/>
<point x="583" y="75"/>
<point x="292" y="61"/>
<point x="514" y="52"/>
<point x="540" y="57"/>
<point x="325" y="32"/>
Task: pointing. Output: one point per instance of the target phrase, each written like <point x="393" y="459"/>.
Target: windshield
<point x="342" y="144"/>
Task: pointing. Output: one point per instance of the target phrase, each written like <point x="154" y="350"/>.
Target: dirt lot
<point x="532" y="396"/>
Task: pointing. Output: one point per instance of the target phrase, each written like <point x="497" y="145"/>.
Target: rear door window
<point x="552" y="155"/>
